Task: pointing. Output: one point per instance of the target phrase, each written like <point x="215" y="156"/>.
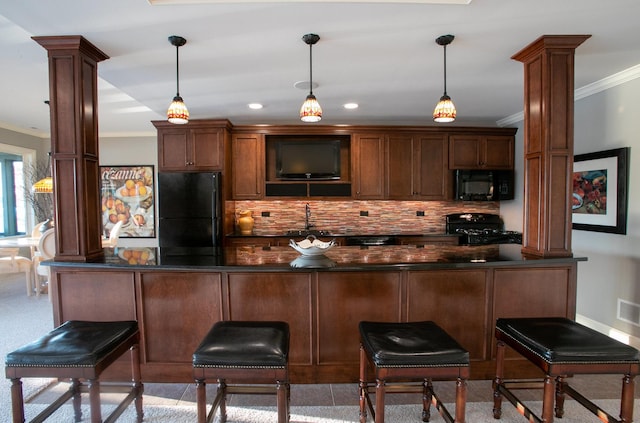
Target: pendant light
<point x="177" y="112"/>
<point x="445" y="111"/>
<point x="310" y="110"/>
<point x="44" y="185"/>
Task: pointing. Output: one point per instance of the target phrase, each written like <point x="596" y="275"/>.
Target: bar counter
<point x="285" y="258"/>
<point x="177" y="297"/>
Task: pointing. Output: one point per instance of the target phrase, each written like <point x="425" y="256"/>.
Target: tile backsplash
<point x="355" y="217"/>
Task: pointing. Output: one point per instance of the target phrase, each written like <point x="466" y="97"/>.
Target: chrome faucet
<point x="307" y="217"/>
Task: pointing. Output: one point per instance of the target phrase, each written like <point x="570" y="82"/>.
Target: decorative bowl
<point x="311" y="246"/>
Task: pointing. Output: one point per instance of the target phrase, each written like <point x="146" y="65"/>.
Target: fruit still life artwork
<point x="127" y="195"/>
<point x="590" y="192"/>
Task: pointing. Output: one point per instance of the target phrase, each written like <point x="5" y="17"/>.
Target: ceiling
<point x="379" y="54"/>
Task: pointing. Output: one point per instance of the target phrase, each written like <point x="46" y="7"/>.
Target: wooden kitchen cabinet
<point x="368" y="166"/>
<point x="416" y="167"/>
<point x="481" y="152"/>
<point x="193" y="147"/>
<point x="247" y="166"/>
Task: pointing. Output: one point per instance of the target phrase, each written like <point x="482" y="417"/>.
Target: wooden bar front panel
<point x="456" y="301"/>
<point x="346" y="298"/>
<point x="175" y="308"/>
<point x="276" y="296"/>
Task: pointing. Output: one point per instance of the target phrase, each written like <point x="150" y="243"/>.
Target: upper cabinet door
<point x="172" y="150"/>
<point x="416" y="167"/>
<point x="247" y="165"/>
<point x="432" y="176"/>
<point x="183" y="149"/>
<point x="400" y="167"/>
<point x="368" y="166"/>
<point x="207" y="149"/>
<point x="481" y="152"/>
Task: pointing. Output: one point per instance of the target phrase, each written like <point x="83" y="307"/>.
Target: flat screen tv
<point x="299" y="160"/>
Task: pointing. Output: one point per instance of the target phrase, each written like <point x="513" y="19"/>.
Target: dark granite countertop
<point x="341" y="258"/>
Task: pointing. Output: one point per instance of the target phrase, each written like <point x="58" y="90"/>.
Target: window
<point x="13" y="218"/>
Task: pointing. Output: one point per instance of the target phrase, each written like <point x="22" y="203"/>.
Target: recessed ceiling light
<point x="350" y="106"/>
<point x="255" y="106"/>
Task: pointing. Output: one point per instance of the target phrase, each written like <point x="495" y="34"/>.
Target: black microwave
<point x="484" y="185"/>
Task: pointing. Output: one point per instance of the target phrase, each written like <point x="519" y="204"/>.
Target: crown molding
<point x="588" y="90"/>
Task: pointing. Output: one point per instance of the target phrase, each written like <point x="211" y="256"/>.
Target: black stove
<point x="480" y="229"/>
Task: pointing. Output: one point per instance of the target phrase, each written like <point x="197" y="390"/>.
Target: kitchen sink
<point x="307" y="232"/>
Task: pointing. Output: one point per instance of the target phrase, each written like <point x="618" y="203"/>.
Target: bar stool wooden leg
<point x="281" y="399"/>
<point x="497" y="396"/>
<point x="626" y="403"/>
<point x="201" y="400"/>
<point x="549" y="388"/>
<point x="363" y="385"/>
<point x="137" y="381"/>
<point x="222" y="392"/>
<point x="461" y="400"/>
<point x="427" y="391"/>
<point x="94" y="400"/>
<point x="559" y="408"/>
<point x="17" y="404"/>
<point x="77" y="399"/>
<point x="379" y="401"/>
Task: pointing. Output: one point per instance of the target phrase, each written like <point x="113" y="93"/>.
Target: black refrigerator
<point x="190" y="213"/>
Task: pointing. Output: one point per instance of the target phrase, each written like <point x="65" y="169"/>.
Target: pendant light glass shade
<point x="43" y="186"/>
<point x="310" y="110"/>
<point x="177" y="112"/>
<point x="445" y="110"/>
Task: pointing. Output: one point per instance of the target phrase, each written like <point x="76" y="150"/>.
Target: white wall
<point x="606" y="120"/>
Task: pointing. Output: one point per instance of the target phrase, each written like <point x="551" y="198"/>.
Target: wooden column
<point x="548" y="143"/>
<point x="73" y="82"/>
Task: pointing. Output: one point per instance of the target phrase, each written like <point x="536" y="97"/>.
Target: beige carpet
<point x="476" y="413"/>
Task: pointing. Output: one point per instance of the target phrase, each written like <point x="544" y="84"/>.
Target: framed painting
<point x="127" y="195"/>
<point x="600" y="190"/>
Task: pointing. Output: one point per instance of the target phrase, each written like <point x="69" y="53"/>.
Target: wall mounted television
<point x="317" y="159"/>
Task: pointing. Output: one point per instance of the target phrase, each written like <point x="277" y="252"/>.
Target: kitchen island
<point x="176" y="299"/>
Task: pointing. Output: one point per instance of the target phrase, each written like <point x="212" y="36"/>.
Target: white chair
<point x="36" y="234"/>
<point x="46" y="251"/>
<point x="114" y="235"/>
<point x="11" y="262"/>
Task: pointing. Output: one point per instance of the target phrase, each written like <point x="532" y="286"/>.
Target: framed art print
<point x="599" y="198"/>
<point x="127" y="194"/>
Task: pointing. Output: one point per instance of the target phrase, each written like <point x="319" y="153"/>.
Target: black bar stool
<point x="78" y="350"/>
<point x="246" y="353"/>
<point x="413" y="351"/>
<point x="560" y="348"/>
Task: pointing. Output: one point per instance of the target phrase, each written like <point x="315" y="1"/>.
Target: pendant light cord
<point x="445" y="69"/>
<point x="310" y="69"/>
<point x="177" y="72"/>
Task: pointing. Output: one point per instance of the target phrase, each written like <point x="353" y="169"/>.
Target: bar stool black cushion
<point x="244" y="344"/>
<point x="403" y="353"/>
<point x="561" y="347"/>
<point x="252" y="355"/>
<point x="560" y="340"/>
<point x="78" y="350"/>
<point x="420" y="344"/>
<point x="73" y="344"/>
